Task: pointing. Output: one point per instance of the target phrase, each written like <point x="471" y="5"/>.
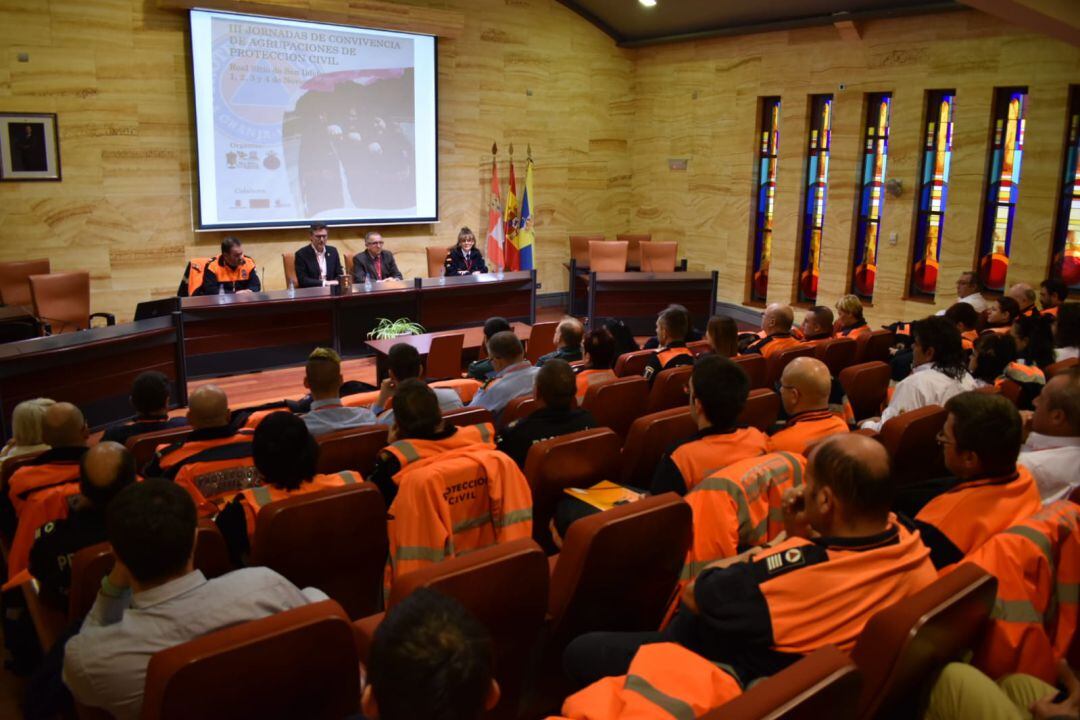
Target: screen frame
<point x="196" y="197"/>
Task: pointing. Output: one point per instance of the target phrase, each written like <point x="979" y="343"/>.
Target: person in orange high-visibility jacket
<point x="740" y="507"/>
<point x="232" y="271"/>
<point x="64" y="430"/>
<point x="718" y="391"/>
<point x="212" y="437"/>
<point x="776" y="323"/>
<point x="845" y="558"/>
<point x="981" y="441"/>
<point x="1037" y="566"/>
<point x="671" y="328"/>
<point x="286" y="457"/>
<point x="42" y="507"/>
<point x="665" y="681"/>
<point x="805" y="386"/>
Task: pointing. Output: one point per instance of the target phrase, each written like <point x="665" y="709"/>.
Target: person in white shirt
<point x="969" y="290"/>
<point x="1067" y="332"/>
<point x="154" y="599"/>
<point x="939" y="370"/>
<point x="317" y="264"/>
<point x="402" y="363"/>
<point x="1052" y="450"/>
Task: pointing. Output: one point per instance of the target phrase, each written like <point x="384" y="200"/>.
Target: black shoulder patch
<point x="794" y="558"/>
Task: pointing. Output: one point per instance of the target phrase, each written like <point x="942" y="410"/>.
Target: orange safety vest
<point x="171" y="455"/>
<point x="222" y="272"/>
<point x="806" y="428"/>
<point x="739" y="507"/>
<point x="211" y="484"/>
<point x="700" y="458"/>
<point x="665" y="681"/>
<point x="774" y="344"/>
<point x="587" y="378"/>
<point x="457" y="501"/>
<point x="414" y="449"/>
<point x="1000" y="330"/>
<point x="193" y="276"/>
<point x="973" y="512"/>
<point x="254" y="499"/>
<point x="1037" y="566"/>
<point x="466" y="389"/>
<point x="856" y="331"/>
<point x="41" y="507"/>
<point x="1018" y="371"/>
<point x="29" y="480"/>
<point x="666" y="355"/>
<point x="1052" y="311"/>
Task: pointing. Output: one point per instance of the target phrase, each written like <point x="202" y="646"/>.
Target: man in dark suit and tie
<point x="375" y="263"/>
<point x="317" y="263"/>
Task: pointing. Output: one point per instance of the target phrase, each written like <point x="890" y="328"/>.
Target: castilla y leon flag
<point x="510" y="219"/>
<point x="526" y="238"/>
<point x="495" y="237"/>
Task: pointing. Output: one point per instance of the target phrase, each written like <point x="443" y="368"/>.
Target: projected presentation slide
<point x="300" y="121"/>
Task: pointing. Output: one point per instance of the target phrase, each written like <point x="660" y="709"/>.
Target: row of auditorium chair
<point x="59" y="302"/>
<point x="617" y="571"/>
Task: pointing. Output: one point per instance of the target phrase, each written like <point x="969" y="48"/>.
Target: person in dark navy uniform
<point x="464" y="258"/>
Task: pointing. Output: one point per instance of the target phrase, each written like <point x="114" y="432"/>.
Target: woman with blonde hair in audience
<point x="849" y="317"/>
<point x="26" y="429"/>
<point x="723" y="336"/>
<point x="599" y="354"/>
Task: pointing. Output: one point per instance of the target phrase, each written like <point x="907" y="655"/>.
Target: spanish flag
<point x="510" y="219"/>
<point x="526" y="238"/>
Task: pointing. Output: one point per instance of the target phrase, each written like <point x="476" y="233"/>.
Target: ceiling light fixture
<point x="648" y="3"/>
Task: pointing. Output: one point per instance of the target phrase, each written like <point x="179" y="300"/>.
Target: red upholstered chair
<point x="505" y="588"/>
<point x="347" y="259"/>
<point x="618" y="403"/>
<point x="669" y="389"/>
<point x="143" y="446"/>
<point x="824" y="684"/>
<point x="1060" y="367"/>
<point x="699" y="347"/>
<point x="436" y="261"/>
<point x="775" y="365"/>
<point x="874" y="346"/>
<point x="62" y="301"/>
<point x="633" y="257"/>
<point x="254" y="670"/>
<point x="1011" y="390"/>
<point x="517" y="409"/>
<point x="866" y="386"/>
<point x="468" y="416"/>
<point x="333" y="539"/>
<point x="608" y="256"/>
<point x="659" y="256"/>
<point x="351" y="449"/>
<point x="579" y="460"/>
<point x="579" y="248"/>
<point x="756" y="369"/>
<point x="908" y="642"/>
<point x="911" y="439"/>
<point x="288" y="261"/>
<point x="541" y="340"/>
<point x="15" y="279"/>
<point x="632" y="363"/>
<point x="761" y="410"/>
<point x="444" y="357"/>
<point x="649" y="438"/>
<point x="837" y="354"/>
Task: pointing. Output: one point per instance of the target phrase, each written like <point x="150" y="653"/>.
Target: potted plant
<point x="387" y="329"/>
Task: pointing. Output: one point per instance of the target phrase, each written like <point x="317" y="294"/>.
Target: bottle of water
<point x="292" y="289"/>
<point x="367" y="283"/>
<point x="221" y="289"/>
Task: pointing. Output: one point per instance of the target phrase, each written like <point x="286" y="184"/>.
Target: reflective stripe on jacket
<point x="414" y="450"/>
<point x="254" y="499"/>
<point x="700" y="458"/>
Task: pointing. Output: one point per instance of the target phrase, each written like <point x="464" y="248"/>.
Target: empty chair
<point x="579" y="460"/>
<point x="444" y="356"/>
<point x="911" y="439"/>
<point x="874" y="346"/>
<point x="288" y="260"/>
<point x="669" y="389"/>
<point x="633" y="255"/>
<point x="505" y="588"/>
<point x="468" y="416"/>
<point x="756" y="369"/>
<point x="143" y="446"/>
<point x="579" y="248"/>
<point x="866" y="386"/>
<point x="906" y="643"/>
<point x="351" y="449"/>
<point x="649" y="438"/>
<point x="254" y="669"/>
<point x="761" y="410"/>
<point x="618" y="403"/>
<point x="333" y="539"/>
<point x="436" y="261"/>
<point x="347" y="259"/>
<point x="632" y="363"/>
<point x="541" y="340"/>
<point x="699" y="347"/>
<point x="15" y="279"/>
<point x="62" y="301"/>
<point x="775" y="365"/>
<point x="610" y="256"/>
<point x="837" y="354"/>
<point x="659" y="256"/>
<point x="1060" y="367"/>
<point x="824" y="684"/>
<point x="517" y="409"/>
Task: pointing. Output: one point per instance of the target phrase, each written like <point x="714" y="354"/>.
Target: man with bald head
<point x="804" y="390"/>
<point x="845" y="556"/>
<point x="212" y="436"/>
<point x="776" y="324"/>
<point x="1025" y="296"/>
<point x="106" y="469"/>
<point x="568" y="336"/>
<point x="64" y="430"/>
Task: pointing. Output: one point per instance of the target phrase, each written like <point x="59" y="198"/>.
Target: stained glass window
<point x="933" y="192"/>
<point x="817" y="183"/>
<point x="1066" y="258"/>
<point x="1003" y="185"/>
<point x="768" y="147"/>
<point x="872" y="196"/>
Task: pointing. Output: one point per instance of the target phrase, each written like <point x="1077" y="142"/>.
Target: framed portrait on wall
<point x="29" y="146"/>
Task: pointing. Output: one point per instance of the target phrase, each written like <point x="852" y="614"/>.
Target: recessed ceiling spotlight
<point x="648" y="3"/>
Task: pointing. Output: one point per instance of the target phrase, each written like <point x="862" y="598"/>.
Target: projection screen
<point x="300" y="121"/>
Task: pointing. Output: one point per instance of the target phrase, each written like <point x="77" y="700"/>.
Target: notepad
<point x="605" y="495"/>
